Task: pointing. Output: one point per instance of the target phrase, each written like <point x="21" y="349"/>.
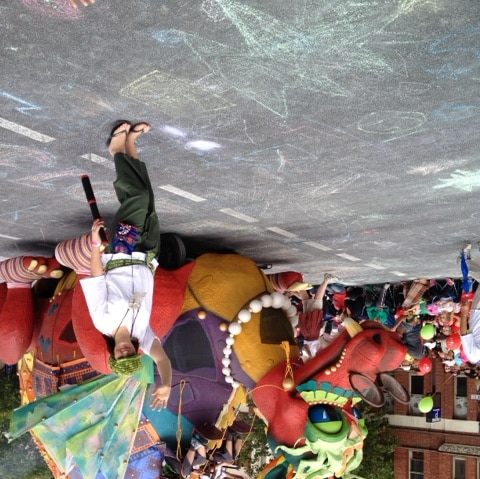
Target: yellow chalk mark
<point x="173" y="96"/>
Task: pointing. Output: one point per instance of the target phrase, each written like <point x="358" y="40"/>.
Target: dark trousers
<point x="137" y="203"/>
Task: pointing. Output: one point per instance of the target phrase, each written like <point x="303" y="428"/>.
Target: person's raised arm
<point x="162" y="393"/>
<point x="322" y="289"/>
<point x="96" y="265"/>
<point x="464" y="312"/>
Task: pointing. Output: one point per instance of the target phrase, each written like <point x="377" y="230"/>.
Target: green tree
<point x="378" y="447"/>
<point x="20" y="459"/>
<point x="254" y="448"/>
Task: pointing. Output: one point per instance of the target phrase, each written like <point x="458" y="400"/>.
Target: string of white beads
<point x="274" y="300"/>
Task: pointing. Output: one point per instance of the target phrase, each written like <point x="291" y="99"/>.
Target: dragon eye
<point x="325" y="418"/>
<point x="323" y="413"/>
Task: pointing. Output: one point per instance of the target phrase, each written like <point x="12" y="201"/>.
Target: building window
<point x="416" y="465"/>
<point x="416" y="394"/>
<point x="461" y="401"/>
<point x="459" y="468"/>
<point x="416" y="384"/>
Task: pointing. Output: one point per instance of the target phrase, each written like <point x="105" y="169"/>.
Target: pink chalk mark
<point x="54" y="8"/>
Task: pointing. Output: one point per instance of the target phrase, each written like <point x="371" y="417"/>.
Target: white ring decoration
<point x="255" y="306"/>
<point x="226" y="361"/>
<point x="244" y="316"/>
<point x="274" y="300"/>
<point x="235" y="328"/>
<point x="277" y="300"/>
<point x="266" y="300"/>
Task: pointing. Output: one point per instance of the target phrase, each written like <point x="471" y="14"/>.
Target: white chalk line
<point x="10" y="237"/>
<point x="282" y="232"/>
<point x="238" y="215"/>
<point x="23" y="130"/>
<point x="348" y="256"/>
<point x="374" y="266"/>
<point x="318" y="246"/>
<point x="182" y="193"/>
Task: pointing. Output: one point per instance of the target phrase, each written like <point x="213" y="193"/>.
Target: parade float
<point x="231" y="340"/>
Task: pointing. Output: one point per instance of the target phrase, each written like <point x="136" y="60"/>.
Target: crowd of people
<point x="212" y="453"/>
<point x="436" y="318"/>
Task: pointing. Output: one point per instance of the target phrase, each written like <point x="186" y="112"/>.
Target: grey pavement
<point x="313" y="135"/>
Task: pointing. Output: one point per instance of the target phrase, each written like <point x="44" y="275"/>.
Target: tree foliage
<point x="378" y="447"/>
<point x="255" y="449"/>
<point x="21" y="458"/>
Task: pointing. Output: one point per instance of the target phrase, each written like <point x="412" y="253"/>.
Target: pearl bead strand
<point x="274" y="300"/>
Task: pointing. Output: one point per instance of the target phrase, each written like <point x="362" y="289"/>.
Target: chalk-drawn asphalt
<point x="316" y="136"/>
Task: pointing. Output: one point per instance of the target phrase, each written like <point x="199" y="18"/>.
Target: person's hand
<point x="85" y="3"/>
<point x="160" y="397"/>
<point x="97" y="225"/>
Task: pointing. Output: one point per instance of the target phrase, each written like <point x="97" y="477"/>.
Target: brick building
<point x="444" y="444"/>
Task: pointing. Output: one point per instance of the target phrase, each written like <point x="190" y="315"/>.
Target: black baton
<point x="87" y="187"/>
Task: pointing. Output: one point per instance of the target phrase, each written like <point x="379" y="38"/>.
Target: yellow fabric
<point x="236" y="401"/>
<point x="255" y="358"/>
<point x="224" y="284"/>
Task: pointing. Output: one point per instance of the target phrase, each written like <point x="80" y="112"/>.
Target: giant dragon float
<point x="230" y="338"/>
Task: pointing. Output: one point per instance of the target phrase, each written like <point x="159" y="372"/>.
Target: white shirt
<point x="122" y="297"/>
<point x="311" y="304"/>
<point x="471" y="342"/>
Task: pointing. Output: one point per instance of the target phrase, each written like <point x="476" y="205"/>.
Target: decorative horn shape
<point x="352" y="327"/>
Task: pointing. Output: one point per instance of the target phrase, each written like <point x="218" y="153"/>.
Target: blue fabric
<point x="90" y="427"/>
<point x="467" y="282"/>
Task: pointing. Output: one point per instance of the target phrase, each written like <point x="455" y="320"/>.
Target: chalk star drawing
<point x="176" y="97"/>
<point x="461" y="179"/>
<point x="331" y="46"/>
